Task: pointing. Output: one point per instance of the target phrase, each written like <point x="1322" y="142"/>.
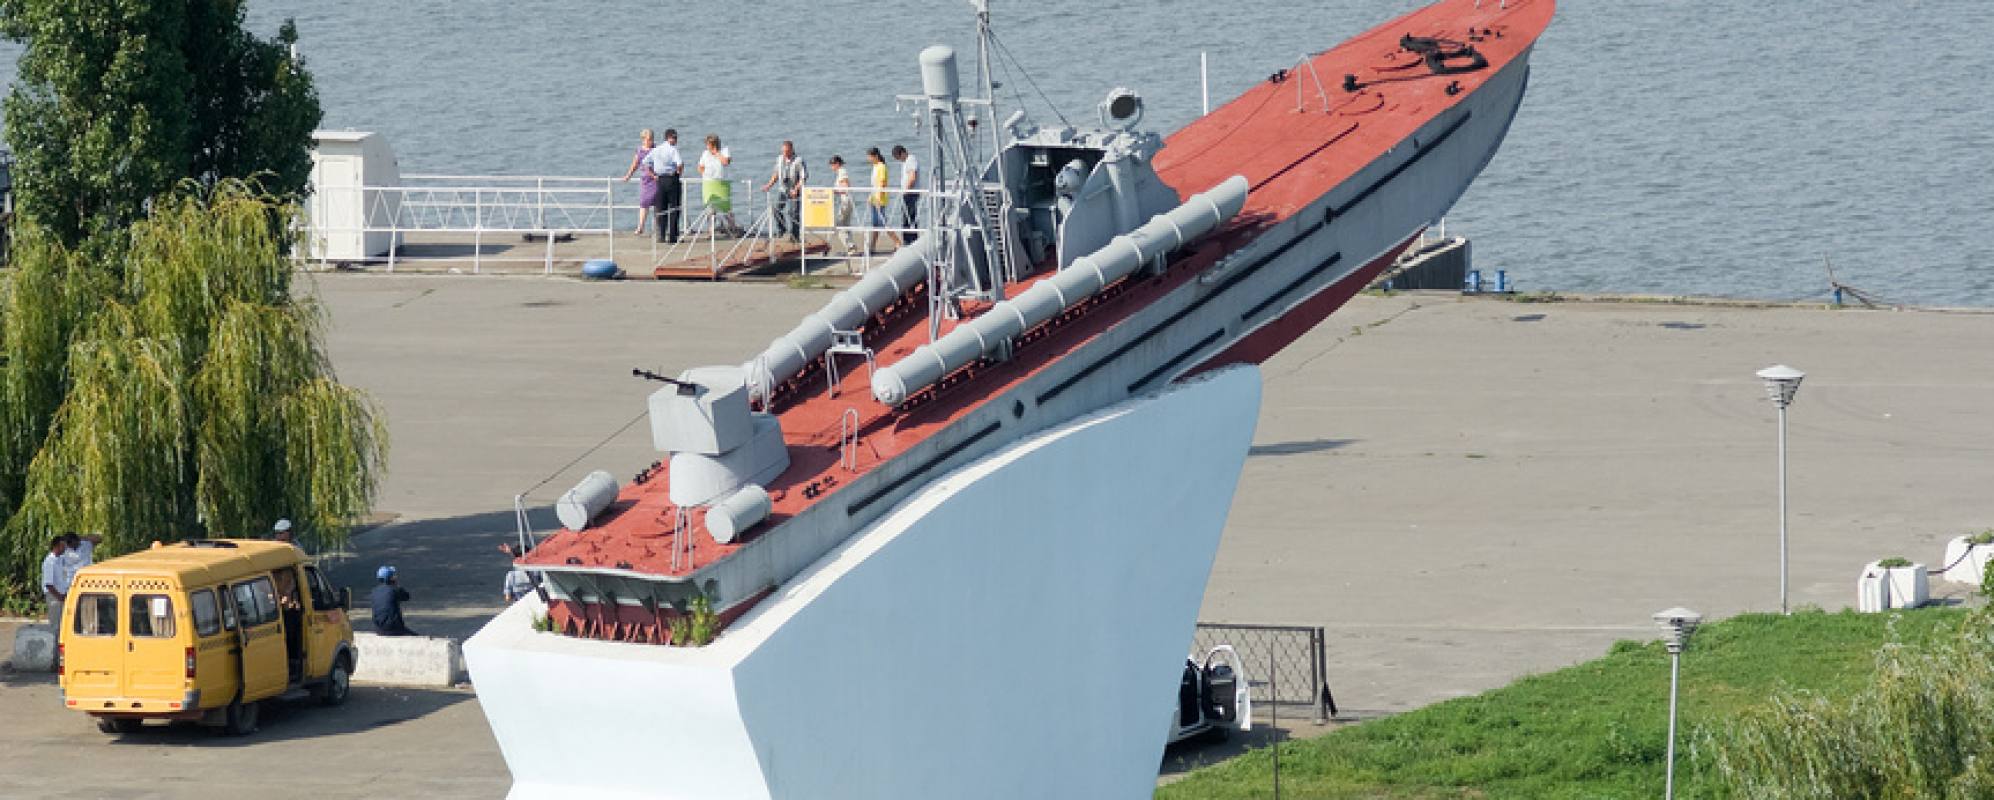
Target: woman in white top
<point x="714" y="188"/>
<point x="841" y="201"/>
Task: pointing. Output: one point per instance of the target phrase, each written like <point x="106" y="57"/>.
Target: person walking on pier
<point x="910" y="185"/>
<point x="841" y="202"/>
<point x="877" y="203"/>
<point x="647" y="183"/>
<point x="714" y="189"/>
<point x="663" y="161"/>
<point x="785" y="202"/>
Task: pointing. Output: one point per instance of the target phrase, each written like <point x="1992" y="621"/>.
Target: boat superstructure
<point x="1068" y="270"/>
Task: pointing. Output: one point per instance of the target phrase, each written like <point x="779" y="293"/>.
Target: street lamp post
<point x="1782" y="382"/>
<point x="1677" y="624"/>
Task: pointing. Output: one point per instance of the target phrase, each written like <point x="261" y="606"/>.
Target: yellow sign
<point x="816" y="207"/>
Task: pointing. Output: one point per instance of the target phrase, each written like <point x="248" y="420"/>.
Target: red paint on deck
<point x="1291" y="158"/>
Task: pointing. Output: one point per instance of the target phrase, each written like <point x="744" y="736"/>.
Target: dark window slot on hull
<point x="917" y="472"/>
<point x="1180" y="358"/>
<point x="1292" y="286"/>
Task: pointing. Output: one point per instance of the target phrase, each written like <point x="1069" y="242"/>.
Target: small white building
<point x="349" y="217"/>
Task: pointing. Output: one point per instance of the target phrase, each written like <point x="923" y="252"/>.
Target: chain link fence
<point x="1285" y="664"/>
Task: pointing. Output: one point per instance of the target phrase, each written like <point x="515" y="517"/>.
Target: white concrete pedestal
<point x="1968" y="561"/>
<point x="1016" y="628"/>
<point x="1899" y="587"/>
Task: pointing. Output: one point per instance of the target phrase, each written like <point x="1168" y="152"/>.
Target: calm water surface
<point x="1671" y="147"/>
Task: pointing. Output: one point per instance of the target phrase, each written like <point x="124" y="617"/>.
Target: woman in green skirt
<point x="714" y="188"/>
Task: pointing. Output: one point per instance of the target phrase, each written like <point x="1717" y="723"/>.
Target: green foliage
<point x="1987" y="579"/>
<point x="705" y="625"/>
<point x="117" y="102"/>
<point x="681" y="628"/>
<point x="1894" y="562"/>
<point x="192" y="397"/>
<point x="1983" y="537"/>
<point x="1921" y="729"/>
<point x="697" y="625"/>
<point x="1595" y="730"/>
<point x="543" y="623"/>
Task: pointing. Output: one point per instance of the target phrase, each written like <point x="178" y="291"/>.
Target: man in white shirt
<point x="55" y="584"/>
<point x="910" y="182"/>
<point x="663" y="161"/>
<point x="82" y="553"/>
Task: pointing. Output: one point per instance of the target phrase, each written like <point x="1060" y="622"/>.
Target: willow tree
<point x="196" y="398"/>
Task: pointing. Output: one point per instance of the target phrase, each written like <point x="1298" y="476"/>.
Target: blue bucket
<point x="600" y="269"/>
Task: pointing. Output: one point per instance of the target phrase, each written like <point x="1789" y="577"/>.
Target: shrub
<point x="1894" y="562"/>
<point x="1919" y="731"/>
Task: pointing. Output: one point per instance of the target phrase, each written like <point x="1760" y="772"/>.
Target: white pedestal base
<point x="1900" y="587"/>
<point x="1969" y="561"/>
<point x="1017" y="628"/>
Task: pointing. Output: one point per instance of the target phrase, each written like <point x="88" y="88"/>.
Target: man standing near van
<point x="55" y="586"/>
<point x="82" y="553"/>
<point x="387" y="602"/>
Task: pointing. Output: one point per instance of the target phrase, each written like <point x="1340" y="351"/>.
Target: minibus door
<point x="155" y="655"/>
<point x="262" y="631"/>
<point x="93" y="650"/>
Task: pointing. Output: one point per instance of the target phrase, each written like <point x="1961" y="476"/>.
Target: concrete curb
<point x="431" y="661"/>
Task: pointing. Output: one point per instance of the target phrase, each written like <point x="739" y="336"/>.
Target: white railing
<point x="853" y="241"/>
<point x="430" y="219"/>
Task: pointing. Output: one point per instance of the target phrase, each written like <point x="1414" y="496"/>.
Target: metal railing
<point x="1296" y="656"/>
<point x="853" y="241"/>
<point x="430" y="218"/>
<point x="452" y="218"/>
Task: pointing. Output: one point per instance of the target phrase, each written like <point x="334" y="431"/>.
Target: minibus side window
<point x="207" y="615"/>
<point x="228" y="607"/>
<point x="323" y="597"/>
<point x="152" y="616"/>
<point x="96" y="615"/>
<point x="245" y="604"/>
<point x="266" y="600"/>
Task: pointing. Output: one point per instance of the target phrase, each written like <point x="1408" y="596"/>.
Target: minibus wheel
<point x="242" y="719"/>
<point x="338" y="683"/>
<point x="118" y="725"/>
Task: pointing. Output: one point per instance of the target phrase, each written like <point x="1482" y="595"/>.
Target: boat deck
<point x="1290" y="157"/>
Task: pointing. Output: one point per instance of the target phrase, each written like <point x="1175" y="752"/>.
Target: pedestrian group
<point x="659" y="168"/>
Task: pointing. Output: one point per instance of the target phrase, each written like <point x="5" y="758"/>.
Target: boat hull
<point x="1014" y="628"/>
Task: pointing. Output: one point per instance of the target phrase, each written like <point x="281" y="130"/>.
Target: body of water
<point x="1665" y="146"/>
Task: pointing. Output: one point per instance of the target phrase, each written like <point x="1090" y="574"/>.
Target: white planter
<point x="1898" y="587"/>
<point x="1969" y="561"/>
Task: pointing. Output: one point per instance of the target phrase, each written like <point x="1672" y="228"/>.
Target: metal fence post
<point x="1315" y="674"/>
<point x="1274" y="723"/>
<point x="477" y="231"/>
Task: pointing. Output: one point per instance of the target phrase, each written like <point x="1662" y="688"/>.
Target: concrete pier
<point x="1463" y="491"/>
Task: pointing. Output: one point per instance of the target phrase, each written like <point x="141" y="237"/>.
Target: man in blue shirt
<point x="664" y="162"/>
<point x="387" y="602"/>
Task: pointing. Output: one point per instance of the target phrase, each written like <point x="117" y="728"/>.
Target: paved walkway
<point x="1462" y="491"/>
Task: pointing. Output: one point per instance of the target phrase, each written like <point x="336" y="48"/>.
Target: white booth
<point x="349" y="217"/>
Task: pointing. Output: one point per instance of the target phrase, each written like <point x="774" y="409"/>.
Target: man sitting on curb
<point x="387" y="602"/>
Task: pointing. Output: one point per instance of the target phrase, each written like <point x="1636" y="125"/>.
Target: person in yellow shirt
<point x="878" y="201"/>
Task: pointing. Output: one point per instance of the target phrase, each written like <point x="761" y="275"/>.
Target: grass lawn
<point x="1594" y="730"/>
